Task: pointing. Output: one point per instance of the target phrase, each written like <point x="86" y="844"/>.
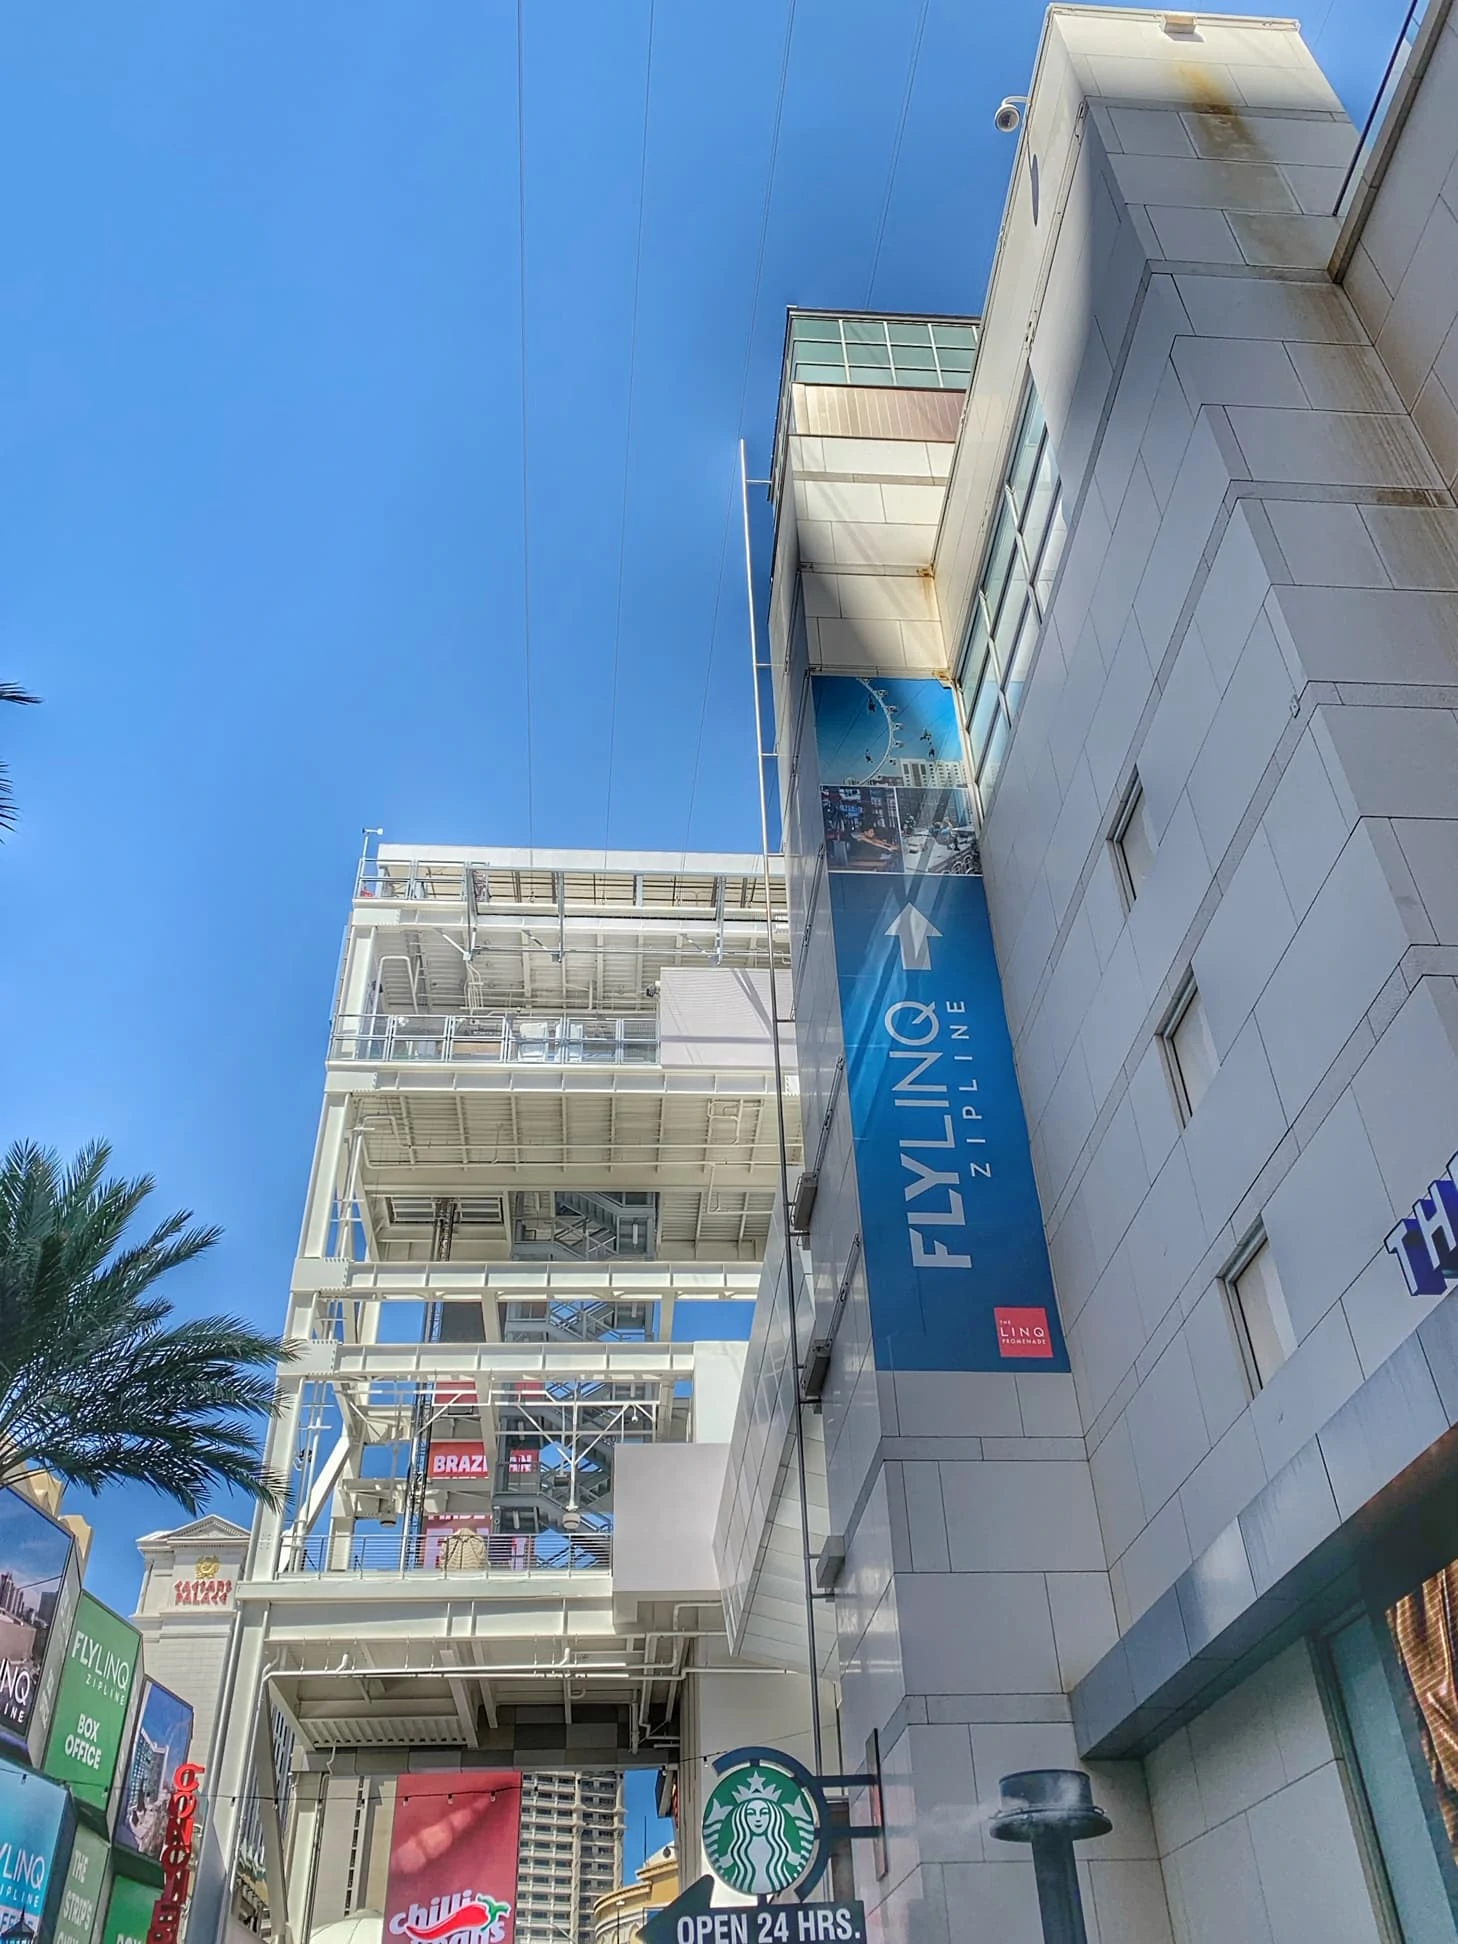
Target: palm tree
<point x="10" y="693"/>
<point x="96" y="1383"/>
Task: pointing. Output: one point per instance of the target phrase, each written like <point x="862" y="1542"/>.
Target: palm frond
<point x="11" y="692"/>
<point x="97" y="1382"/>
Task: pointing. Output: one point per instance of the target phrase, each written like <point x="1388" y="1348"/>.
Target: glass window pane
<point x="1040" y="503"/>
<point x="951" y="360"/>
<point x="1022" y="464"/>
<point x="1022" y="656"/>
<point x="1010" y="617"/>
<point x="1052" y="554"/>
<point x="1136" y="844"/>
<point x="814" y="374"/>
<point x="904" y="333"/>
<point x="875" y="355"/>
<point x="1390" y="1787"/>
<point x="922" y="381"/>
<point x="999" y="562"/>
<point x="975" y="656"/>
<point x="865" y="330"/>
<point x="984" y="714"/>
<point x="960" y="334"/>
<point x="992" y="763"/>
<point x="1194" y="1051"/>
<point x="1262" y="1303"/>
<point x="815" y="328"/>
<point x="913" y="357"/>
<point x="1033" y="415"/>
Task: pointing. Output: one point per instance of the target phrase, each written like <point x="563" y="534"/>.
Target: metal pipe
<point x="1059" y="1903"/>
<point x="515" y="1670"/>
<point x="797" y="1404"/>
<point x="1051" y="1810"/>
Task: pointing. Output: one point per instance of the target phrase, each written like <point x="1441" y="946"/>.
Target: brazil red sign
<point x="456" y="1459"/>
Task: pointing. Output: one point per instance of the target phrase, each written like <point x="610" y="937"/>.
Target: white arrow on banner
<point x="914" y="931"/>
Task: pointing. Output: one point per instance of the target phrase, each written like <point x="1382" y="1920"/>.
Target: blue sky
<point x="265" y="494"/>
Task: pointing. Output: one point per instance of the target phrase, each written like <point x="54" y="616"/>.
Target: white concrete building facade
<point x="185" y="1613"/>
<point x="1188" y="555"/>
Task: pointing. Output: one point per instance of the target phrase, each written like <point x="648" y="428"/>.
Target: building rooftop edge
<point x="1282" y="23"/>
<point x="541" y="858"/>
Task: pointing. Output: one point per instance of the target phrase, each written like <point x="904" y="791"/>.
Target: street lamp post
<point x="1052" y="1809"/>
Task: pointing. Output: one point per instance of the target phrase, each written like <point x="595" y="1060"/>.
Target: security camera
<point x="1009" y="113"/>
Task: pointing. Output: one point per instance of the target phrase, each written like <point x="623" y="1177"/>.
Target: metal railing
<point x="458" y="1555"/>
<point x="481" y="885"/>
<point x="417" y="881"/>
<point x="567" y="1039"/>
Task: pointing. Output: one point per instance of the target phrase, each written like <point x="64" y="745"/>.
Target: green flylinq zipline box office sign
<point x="89" y="1725"/>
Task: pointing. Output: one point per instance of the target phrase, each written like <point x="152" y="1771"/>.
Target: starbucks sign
<point x="763" y="1823"/>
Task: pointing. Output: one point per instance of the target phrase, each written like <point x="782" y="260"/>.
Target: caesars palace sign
<point x="205" y="1588"/>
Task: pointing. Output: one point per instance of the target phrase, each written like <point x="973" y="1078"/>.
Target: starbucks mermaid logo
<point x="761" y="1830"/>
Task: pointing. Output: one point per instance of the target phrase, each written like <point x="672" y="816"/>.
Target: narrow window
<point x="1262" y="1319"/>
<point x="1190" y="1048"/>
<point x="1133" y="842"/>
<point x="1013" y="592"/>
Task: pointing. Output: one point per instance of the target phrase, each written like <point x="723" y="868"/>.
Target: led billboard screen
<point x="160" y="1743"/>
<point x="39" y="1586"/>
<point x="35" y="1822"/>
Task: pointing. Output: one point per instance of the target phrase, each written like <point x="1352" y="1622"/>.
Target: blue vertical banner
<point x="952" y="1232"/>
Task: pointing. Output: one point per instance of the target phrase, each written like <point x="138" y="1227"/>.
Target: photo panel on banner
<point x="894" y="794"/>
<point x="40" y="1583"/>
<point x="160" y="1744"/>
<point x="89" y="1723"/>
<point x="453" y="1853"/>
<point x="36" y="1821"/>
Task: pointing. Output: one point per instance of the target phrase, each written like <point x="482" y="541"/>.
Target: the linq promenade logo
<point x="761" y="1830"/>
<point x="1426" y="1242"/>
<point x="464" y="1915"/>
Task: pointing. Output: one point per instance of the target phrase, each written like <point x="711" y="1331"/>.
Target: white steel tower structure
<point x="550" y="1117"/>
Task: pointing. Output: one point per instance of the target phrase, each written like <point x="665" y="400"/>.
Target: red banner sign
<point x="458" y="1540"/>
<point x="453" y="1854"/>
<point x="456" y="1390"/>
<point x="176" y="1858"/>
<point x="456" y="1459"/>
<point x="521" y="1461"/>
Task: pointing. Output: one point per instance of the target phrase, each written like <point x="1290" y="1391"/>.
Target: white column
<point x="227" y="1786"/>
